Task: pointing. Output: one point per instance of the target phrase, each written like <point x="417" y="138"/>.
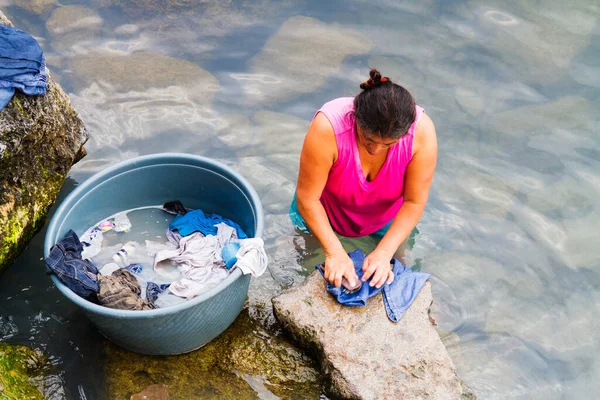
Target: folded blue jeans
<point x="397" y="296"/>
<point x="66" y="263"/>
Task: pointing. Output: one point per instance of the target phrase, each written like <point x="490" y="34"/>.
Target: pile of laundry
<point x="22" y="65"/>
<point x="201" y="251"/>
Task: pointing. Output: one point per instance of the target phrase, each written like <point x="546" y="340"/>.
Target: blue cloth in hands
<point x="397" y="296"/>
<point x="360" y="297"/>
<point x="22" y="65"/>
<point x="197" y="221"/>
<point x="77" y="274"/>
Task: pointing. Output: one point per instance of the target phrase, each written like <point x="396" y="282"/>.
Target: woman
<point x="366" y="167"/>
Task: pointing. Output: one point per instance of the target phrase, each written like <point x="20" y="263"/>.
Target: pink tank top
<point x="355" y="206"/>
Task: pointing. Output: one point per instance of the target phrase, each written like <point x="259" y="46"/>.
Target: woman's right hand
<point x="339" y="265"/>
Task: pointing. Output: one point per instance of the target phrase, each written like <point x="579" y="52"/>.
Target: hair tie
<point x="375" y="81"/>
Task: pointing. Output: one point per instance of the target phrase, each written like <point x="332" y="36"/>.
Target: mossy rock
<point x="241" y="362"/>
<point x="40" y="138"/>
<point x="18" y="365"/>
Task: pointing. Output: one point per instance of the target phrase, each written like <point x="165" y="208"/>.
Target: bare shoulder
<point x="321" y="127"/>
<point x="425" y="136"/>
<point x="320" y="139"/>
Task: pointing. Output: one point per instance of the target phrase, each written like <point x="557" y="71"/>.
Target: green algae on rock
<point x="19" y="365"/>
<point x="242" y="361"/>
<point x="40" y="138"/>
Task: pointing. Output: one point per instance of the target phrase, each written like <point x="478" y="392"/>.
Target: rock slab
<point x="40" y="138"/>
<point x="363" y="354"/>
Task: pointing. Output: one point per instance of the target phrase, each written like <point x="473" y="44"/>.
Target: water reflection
<point x="510" y="230"/>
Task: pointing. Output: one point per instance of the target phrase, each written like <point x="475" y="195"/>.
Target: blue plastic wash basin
<point x="197" y="182"/>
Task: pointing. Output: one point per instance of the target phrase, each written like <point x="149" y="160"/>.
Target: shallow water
<point x="510" y="231"/>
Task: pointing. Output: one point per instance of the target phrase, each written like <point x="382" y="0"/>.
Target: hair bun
<point x="375" y="80"/>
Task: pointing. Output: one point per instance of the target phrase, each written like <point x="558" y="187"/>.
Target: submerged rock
<point x="73" y="25"/>
<point x="140" y="102"/>
<point x="272" y="133"/>
<point x="299" y="58"/>
<point x="36" y="6"/>
<point x="566" y="199"/>
<point x="40" y="138"/>
<point x="141" y="71"/>
<point x="565" y="113"/>
<point x="25" y="374"/>
<point x="137" y="8"/>
<point x="140" y="94"/>
<point x="70" y="18"/>
<point x="245" y="362"/>
<point x="537" y="43"/>
<point x="365" y="355"/>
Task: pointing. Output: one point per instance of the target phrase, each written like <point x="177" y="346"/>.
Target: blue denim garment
<point x="197" y="221"/>
<point x="65" y="261"/>
<point x="397" y="296"/>
<point x="18" y="45"/>
<point x="153" y="290"/>
<point x="22" y="65"/>
<point x="134" y="268"/>
<point x="401" y="293"/>
<point x="360" y="297"/>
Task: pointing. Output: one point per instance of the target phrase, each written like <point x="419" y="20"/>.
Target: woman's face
<point x="373" y="143"/>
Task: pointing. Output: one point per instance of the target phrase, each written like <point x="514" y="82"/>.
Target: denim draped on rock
<point x="22" y="65"/>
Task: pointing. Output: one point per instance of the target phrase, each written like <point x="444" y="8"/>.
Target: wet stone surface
<point x="363" y="354"/>
<point x="244" y="362"/>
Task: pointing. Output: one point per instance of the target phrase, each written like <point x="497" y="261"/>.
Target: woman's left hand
<point x="377" y="264"/>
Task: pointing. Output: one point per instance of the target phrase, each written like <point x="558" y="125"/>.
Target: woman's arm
<point x="417" y="181"/>
<point x="319" y="152"/>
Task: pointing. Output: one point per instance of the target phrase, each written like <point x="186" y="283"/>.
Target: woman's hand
<point x="377" y="264"/>
<point x="340" y="265"/>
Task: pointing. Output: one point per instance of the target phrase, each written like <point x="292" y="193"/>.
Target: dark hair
<point x="384" y="108"/>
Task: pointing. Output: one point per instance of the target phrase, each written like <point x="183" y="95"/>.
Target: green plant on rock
<point x="18" y="364"/>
